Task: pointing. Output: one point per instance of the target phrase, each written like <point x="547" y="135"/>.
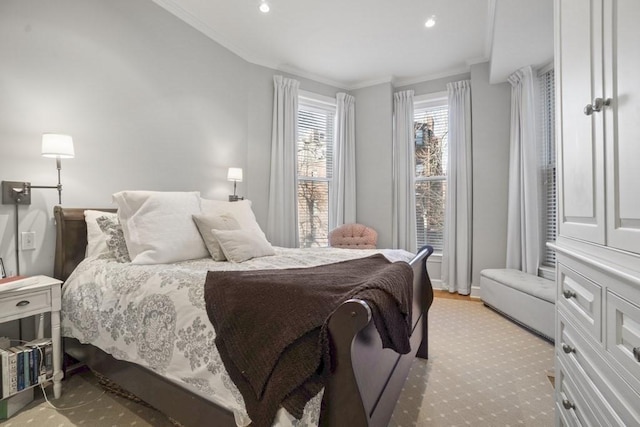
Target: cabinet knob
<point x="567" y="293"/>
<point x="22" y="303"/>
<point x="636" y="353"/>
<point x="568" y="404"/>
<point x="567" y="348"/>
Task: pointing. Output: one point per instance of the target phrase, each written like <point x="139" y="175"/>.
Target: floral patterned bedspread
<point x="155" y="316"/>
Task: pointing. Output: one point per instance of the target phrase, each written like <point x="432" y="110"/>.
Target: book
<point x="16" y="282"/>
<point x="43" y="349"/>
<point x="48" y="360"/>
<point x="26" y="364"/>
<point x="12" y="279"/>
<point x="4" y="358"/>
<point x="19" y="368"/>
<point x="33" y="366"/>
<point x="1" y="376"/>
<point x="13" y="372"/>
<point x="5" y="342"/>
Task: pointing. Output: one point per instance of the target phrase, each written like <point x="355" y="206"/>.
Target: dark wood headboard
<point x="71" y="239"/>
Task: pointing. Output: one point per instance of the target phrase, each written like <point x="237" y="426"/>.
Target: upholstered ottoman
<point x="528" y="300"/>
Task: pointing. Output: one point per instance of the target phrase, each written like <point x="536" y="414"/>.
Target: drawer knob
<point x="22" y="303"/>
<point x="568" y="404"/>
<point x="636" y="353"/>
<point x="567" y="348"/>
<point x="567" y="293"/>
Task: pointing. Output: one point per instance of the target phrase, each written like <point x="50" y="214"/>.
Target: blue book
<point x="26" y="365"/>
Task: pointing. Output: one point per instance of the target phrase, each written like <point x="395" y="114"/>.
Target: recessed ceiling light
<point x="430" y="22"/>
<point x="264" y="7"/>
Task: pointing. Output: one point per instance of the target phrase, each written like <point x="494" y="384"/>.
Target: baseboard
<point x="439" y="286"/>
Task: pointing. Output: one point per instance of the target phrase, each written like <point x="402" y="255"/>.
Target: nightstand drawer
<point x="19" y="304"/>
<point x="582" y="298"/>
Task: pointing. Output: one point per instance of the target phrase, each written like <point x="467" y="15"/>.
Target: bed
<point x="352" y="396"/>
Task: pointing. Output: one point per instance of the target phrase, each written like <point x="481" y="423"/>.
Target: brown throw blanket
<point x="271" y="325"/>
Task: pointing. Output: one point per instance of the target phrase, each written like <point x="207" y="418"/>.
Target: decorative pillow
<point x="158" y="226"/>
<point x="206" y="223"/>
<point x="96" y="242"/>
<point x="241" y="245"/>
<point x="114" y="237"/>
<point x="240" y="210"/>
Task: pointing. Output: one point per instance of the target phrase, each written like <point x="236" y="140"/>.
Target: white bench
<point x="529" y="300"/>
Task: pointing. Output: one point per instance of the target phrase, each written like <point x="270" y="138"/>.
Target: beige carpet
<point x="483" y="371"/>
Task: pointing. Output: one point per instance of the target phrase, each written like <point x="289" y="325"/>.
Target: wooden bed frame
<point x="353" y="396"/>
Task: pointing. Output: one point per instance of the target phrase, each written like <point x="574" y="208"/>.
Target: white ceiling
<point x="357" y="43"/>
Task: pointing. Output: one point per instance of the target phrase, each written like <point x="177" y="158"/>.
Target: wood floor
<point x="438" y="293"/>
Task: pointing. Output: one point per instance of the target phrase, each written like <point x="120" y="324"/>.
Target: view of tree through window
<point x="431" y="127"/>
<point x="315" y="157"/>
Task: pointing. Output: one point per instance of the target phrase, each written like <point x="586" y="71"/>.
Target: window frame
<point x="421" y="102"/>
<point x="320" y="103"/>
<point x="548" y="168"/>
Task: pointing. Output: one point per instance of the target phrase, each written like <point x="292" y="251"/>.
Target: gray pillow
<point x="207" y="223"/>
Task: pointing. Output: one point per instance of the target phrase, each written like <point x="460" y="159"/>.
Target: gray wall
<point x="374" y="154"/>
<point x="154" y="104"/>
<point x="150" y="102"/>
<point x="491" y="109"/>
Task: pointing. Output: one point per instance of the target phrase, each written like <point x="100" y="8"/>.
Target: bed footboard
<point x="367" y="379"/>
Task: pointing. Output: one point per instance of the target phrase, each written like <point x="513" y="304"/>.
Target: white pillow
<point x="206" y="223"/>
<point x="158" y="226"/>
<point x="96" y="240"/>
<point x="241" y="245"/>
<point x="240" y="211"/>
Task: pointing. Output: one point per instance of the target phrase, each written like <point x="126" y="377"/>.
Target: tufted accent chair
<point x="353" y="236"/>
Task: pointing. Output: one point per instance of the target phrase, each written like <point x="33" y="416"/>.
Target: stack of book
<point x="25" y="365"/>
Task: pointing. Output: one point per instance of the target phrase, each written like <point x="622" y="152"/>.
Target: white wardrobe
<point x="597" y="54"/>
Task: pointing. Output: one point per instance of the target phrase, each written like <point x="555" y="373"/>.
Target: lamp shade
<point x="234" y="174"/>
<point x="57" y="145"/>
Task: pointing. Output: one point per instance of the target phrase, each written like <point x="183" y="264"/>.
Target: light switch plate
<point x="28" y="240"/>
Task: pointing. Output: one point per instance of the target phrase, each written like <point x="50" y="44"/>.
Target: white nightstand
<point x="35" y="296"/>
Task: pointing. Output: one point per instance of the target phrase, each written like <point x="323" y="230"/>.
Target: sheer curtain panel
<point x="523" y="220"/>
<point x="282" y="219"/>
<point x="403" y="232"/>
<point x="456" y="253"/>
<point x="342" y="209"/>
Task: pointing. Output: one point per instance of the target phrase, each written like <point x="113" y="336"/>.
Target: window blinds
<point x="431" y="127"/>
<point x="315" y="161"/>
<point x="548" y="165"/>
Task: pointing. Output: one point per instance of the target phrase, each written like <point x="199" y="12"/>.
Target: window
<point x="548" y="165"/>
<point x="315" y="161"/>
<point x="431" y="125"/>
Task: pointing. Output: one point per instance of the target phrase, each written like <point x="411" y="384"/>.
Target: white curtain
<point x="342" y="206"/>
<point x="456" y="253"/>
<point x="282" y="220"/>
<point x="403" y="231"/>
<point x="523" y="221"/>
